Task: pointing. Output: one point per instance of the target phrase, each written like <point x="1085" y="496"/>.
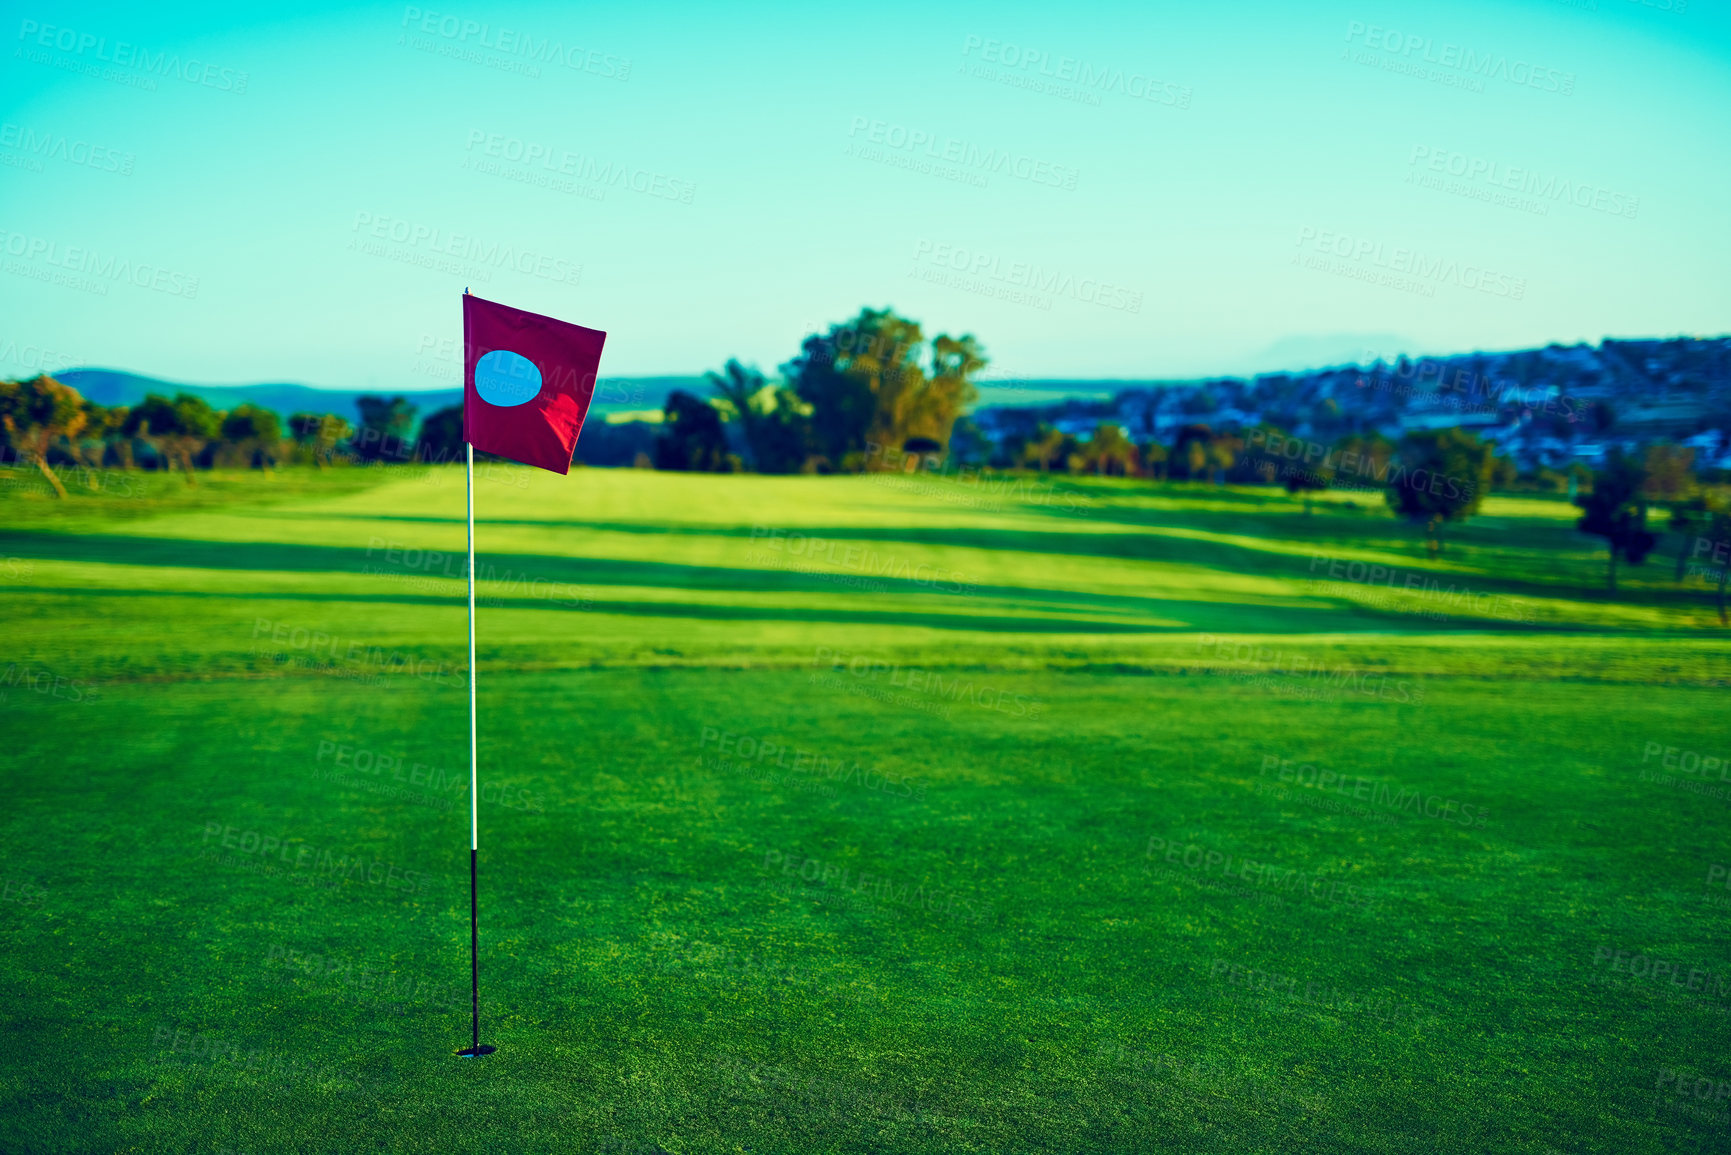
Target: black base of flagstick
<point x="475" y="1049"/>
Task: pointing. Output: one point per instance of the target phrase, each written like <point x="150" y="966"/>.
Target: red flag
<point x="527" y="381"/>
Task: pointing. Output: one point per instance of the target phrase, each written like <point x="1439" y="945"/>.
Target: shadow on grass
<point x="1248" y="614"/>
<point x="1018" y="609"/>
<point x="1141" y="539"/>
<point x="907" y="619"/>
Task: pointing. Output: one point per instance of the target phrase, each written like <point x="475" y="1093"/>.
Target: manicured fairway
<point x="1081" y="817"/>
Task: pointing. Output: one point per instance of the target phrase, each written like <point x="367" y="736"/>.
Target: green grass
<point x="979" y="900"/>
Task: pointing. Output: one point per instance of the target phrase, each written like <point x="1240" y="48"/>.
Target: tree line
<point x="874" y="381"/>
<point x="48" y="425"/>
<point x="874" y="393"/>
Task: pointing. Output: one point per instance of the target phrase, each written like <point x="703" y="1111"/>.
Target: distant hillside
<point x="115" y="387"/>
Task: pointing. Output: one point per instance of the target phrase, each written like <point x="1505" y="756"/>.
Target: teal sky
<point x="1264" y="210"/>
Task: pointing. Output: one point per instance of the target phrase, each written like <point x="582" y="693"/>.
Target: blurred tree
<point x="37" y="412"/>
<point x="930" y="409"/>
<point x="968" y="445"/>
<point x="102" y="429"/>
<point x="691" y="436"/>
<point x="384" y="430"/>
<point x="1362" y="461"/>
<point x="1439" y="476"/>
<point x="1108" y="452"/>
<point x="1504" y="472"/>
<point x="178" y="430"/>
<point x="1670" y="472"/>
<point x="1048" y="449"/>
<point x="1188" y="460"/>
<point x="1223" y="450"/>
<point x="865" y="385"/>
<point x="153" y="421"/>
<point x="775" y="422"/>
<point x="1616" y="511"/>
<point x="199" y="426"/>
<point x="1719" y="532"/>
<point x="317" y="435"/>
<point x="254" y="434"/>
<point x="1262" y="462"/>
<point x="1308" y="479"/>
<point x="441" y="436"/>
<point x="1689" y="517"/>
<point x="1153" y="457"/>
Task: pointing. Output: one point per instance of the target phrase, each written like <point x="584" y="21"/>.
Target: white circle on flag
<point x="505" y="378"/>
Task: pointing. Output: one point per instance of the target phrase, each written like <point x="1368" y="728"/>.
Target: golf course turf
<point x="853" y="814"/>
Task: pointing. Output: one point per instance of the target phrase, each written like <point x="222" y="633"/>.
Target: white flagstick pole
<point x="475" y="1049"/>
<point x="474" y="778"/>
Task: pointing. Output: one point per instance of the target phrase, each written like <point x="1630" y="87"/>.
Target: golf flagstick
<point x="475" y="1049"/>
<point x="527" y="383"/>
